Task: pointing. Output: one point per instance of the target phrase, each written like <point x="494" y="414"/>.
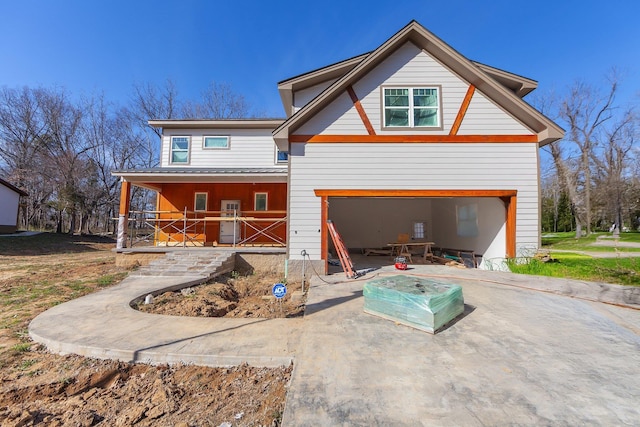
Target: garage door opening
<point x="482" y="222"/>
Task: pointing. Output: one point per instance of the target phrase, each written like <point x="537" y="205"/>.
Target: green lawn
<point x="619" y="269"/>
<point x="623" y="271"/>
<point x="567" y="241"/>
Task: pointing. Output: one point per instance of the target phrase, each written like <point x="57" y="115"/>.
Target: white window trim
<point x="195" y="200"/>
<point x="438" y="88"/>
<point x="266" y="200"/>
<point x="171" y="162"/>
<point x="204" y="139"/>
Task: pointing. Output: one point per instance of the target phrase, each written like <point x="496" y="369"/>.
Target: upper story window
<point x="180" y="149"/>
<point x="215" y="142"/>
<point x="281" y="156"/>
<point x="412" y="107"/>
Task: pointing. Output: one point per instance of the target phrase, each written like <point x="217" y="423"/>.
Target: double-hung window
<point x="180" y="149"/>
<point x="412" y="107"/>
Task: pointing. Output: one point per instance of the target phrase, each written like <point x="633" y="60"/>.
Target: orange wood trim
<point x="510" y="194"/>
<point x="511" y="227"/>
<point x="360" y="110"/>
<point x="324" y="243"/>
<point x="371" y="139"/>
<point x="463" y="110"/>
<point x="125" y="198"/>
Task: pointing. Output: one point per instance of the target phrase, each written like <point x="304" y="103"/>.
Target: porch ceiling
<point x="148" y="177"/>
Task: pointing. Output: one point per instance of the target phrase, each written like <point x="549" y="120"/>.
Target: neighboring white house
<point x="413" y="138"/>
<point x="9" y="203"/>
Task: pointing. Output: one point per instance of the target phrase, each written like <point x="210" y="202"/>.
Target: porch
<point x="218" y="229"/>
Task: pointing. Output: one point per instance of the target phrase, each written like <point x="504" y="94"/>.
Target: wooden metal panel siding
<point x="484" y="117"/>
<point x="177" y="197"/>
<point x="247" y="148"/>
<point x="410" y="166"/>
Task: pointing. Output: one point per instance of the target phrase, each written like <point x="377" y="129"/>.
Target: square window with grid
<point x="411" y="107"/>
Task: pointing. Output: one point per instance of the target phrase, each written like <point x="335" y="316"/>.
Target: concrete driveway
<point x="528" y="350"/>
<point x="517" y="357"/>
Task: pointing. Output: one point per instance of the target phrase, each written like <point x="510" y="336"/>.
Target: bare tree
<point x="586" y="112"/>
<point x="612" y="161"/>
<point x="151" y="102"/>
<point x="219" y="101"/>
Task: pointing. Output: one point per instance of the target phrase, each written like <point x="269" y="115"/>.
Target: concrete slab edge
<point x="158" y="358"/>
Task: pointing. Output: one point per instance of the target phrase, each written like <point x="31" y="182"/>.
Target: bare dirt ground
<point x="228" y="296"/>
<point x="40" y="388"/>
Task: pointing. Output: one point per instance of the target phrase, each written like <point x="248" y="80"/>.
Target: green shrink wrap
<point x="422" y="303"/>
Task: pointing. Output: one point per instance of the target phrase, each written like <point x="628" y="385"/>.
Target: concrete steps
<point x="189" y="263"/>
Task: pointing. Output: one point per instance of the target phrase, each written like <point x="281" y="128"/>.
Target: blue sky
<point x="90" y="46"/>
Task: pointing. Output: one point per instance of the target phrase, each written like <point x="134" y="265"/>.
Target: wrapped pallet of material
<point x="421" y="303"/>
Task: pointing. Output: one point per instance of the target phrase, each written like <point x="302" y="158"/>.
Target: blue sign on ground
<point x="279" y="290"/>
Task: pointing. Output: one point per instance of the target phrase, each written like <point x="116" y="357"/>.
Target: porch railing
<point x="189" y="228"/>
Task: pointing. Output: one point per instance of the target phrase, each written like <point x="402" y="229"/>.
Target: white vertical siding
<point x="248" y="148"/>
<point x="507" y="166"/>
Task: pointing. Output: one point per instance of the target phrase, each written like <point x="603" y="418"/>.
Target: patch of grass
<point x="50" y="243"/>
<point x="78" y="287"/>
<point x="26" y="364"/>
<point x="568" y="241"/>
<point x="623" y="271"/>
<point x="110" y="279"/>
<point x="633" y="236"/>
<point x="21" y="347"/>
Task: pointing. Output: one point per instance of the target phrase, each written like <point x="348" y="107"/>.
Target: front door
<point x="229" y="230"/>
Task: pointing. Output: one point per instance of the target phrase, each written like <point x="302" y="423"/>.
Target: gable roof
<point x="502" y="87"/>
<point x="334" y="71"/>
<point x="13" y="187"/>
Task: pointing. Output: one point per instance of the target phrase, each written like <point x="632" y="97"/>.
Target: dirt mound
<point x="227" y="296"/>
<point x="71" y="390"/>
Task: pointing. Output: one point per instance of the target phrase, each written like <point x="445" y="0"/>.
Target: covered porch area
<point x="212" y="208"/>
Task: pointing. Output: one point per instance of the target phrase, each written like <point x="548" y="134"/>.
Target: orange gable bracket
<point x="463" y="110"/>
<point x="360" y="110"/>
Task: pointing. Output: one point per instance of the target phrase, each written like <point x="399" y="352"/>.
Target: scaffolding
<point x="189" y="228"/>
